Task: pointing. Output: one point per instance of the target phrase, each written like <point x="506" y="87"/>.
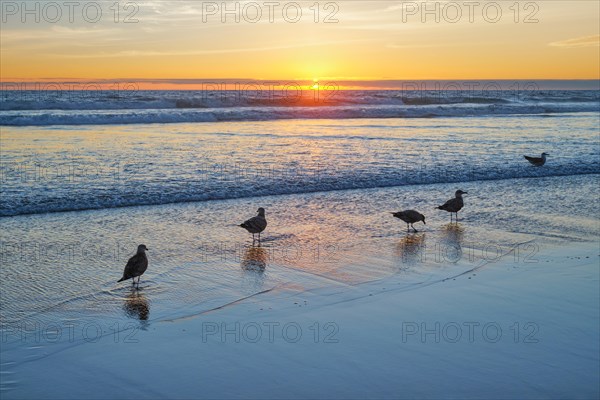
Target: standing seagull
<point x="453" y="205"/>
<point x="136" y="265"/>
<point x="410" y="217"/>
<point x="537" y="161"/>
<point x="256" y="224"/>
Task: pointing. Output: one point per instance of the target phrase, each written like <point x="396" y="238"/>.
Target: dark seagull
<point x="256" y="224"/>
<point x="136" y="266"/>
<point x="537" y="161"/>
<point x="454" y="205"/>
<point x="410" y="217"/>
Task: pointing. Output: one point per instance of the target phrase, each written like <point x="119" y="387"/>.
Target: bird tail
<point x="121" y="280"/>
<point x="439" y="207"/>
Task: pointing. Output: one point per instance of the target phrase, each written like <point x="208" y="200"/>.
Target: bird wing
<point x="449" y="203"/>
<point x="255" y="223"/>
<point x="131" y="266"/>
<point x="131" y="262"/>
<point x="414" y="215"/>
<point x="533" y="159"/>
<point x="452" y="205"/>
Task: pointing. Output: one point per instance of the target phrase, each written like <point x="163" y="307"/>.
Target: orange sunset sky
<point x="361" y="40"/>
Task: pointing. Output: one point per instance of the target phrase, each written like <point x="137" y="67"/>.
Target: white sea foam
<point x="216" y="161"/>
<point x="41" y="108"/>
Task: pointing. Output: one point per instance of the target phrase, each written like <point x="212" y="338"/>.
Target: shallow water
<point x="63" y="168"/>
<point x="65" y="265"/>
<point x="59" y="269"/>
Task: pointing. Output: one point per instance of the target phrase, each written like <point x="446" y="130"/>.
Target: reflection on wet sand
<point x="137" y="306"/>
<point x="254" y="258"/>
<point x="254" y="263"/>
<point x="452" y="234"/>
<point x="410" y="249"/>
<point x="451" y="242"/>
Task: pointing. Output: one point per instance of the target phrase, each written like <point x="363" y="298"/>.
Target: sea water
<point x="81" y="189"/>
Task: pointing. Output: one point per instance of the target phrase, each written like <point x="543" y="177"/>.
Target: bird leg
<point x="407" y="227"/>
<point x="457" y="217"/>
<point x="414" y="228"/>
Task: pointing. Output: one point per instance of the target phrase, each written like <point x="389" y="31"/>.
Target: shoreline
<point x="535" y="324"/>
<point x="332" y="266"/>
<point x="316" y="192"/>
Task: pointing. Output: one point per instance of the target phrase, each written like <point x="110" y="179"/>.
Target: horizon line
<point x="217" y="84"/>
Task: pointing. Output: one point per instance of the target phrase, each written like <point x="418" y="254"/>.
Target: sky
<point x="167" y="41"/>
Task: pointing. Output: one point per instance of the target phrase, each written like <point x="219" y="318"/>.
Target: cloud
<point x="45" y="36"/>
<point x="584" y="41"/>
<point x="152" y="53"/>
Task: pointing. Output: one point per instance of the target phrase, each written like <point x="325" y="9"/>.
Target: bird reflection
<point x="254" y="259"/>
<point x="411" y="248"/>
<point x="254" y="263"/>
<point x="137" y="306"/>
<point x="451" y="242"/>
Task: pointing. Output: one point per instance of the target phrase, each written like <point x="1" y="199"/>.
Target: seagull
<point x="136" y="266"/>
<point x="256" y="224"/>
<point x="410" y="217"/>
<point x="453" y="205"/>
<point x="537" y="161"/>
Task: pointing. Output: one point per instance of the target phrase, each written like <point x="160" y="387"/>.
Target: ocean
<point x="70" y="151"/>
<point x="60" y="105"/>
<point x="87" y="179"/>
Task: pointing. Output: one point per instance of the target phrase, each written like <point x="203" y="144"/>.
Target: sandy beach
<point x="526" y="331"/>
<point x="356" y="308"/>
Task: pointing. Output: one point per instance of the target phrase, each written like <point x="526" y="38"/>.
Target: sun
<point x="315" y="84"/>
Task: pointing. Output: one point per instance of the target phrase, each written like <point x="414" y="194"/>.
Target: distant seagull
<point x="136" y="266"/>
<point x="537" y="161"/>
<point x="256" y="224"/>
<point x="410" y="217"/>
<point x="454" y="205"/>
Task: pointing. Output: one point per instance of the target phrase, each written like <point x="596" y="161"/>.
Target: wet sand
<point x="333" y="304"/>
